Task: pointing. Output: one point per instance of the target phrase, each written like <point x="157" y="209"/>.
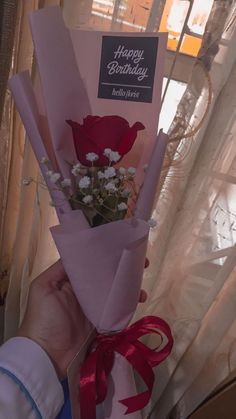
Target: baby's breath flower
<point x="87" y="199"/>
<point x="49" y="173"/>
<point x="122" y="171"/>
<point x="114" y="156"/>
<point x="131" y="171"/>
<point x="84" y="182"/>
<point x="44" y="160"/>
<point x="100" y="175"/>
<point x="54" y="177"/>
<point x="125" y="193"/>
<point x="107" y="152"/>
<point x="110" y="187"/>
<point x="122" y="206"/>
<point x="152" y="223"/>
<point x="109" y="172"/>
<point x="26" y="182"/>
<point x="65" y="182"/>
<point x="92" y="157"/>
<point x="76" y="169"/>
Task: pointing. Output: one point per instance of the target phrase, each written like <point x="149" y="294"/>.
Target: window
<point x="180" y="15"/>
<point x="172" y="99"/>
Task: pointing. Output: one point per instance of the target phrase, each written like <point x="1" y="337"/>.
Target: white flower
<point x="107" y="152"/>
<point x="65" y="182"/>
<point x="122" y="206"/>
<point x="152" y="223"/>
<point x="76" y="169"/>
<point x="114" y="156"/>
<point x="110" y="187"/>
<point x="44" y="160"/>
<point x="131" y="171"/>
<point x="26" y="182"/>
<point x="125" y="193"/>
<point x="49" y="173"/>
<point x="145" y="166"/>
<point x="84" y="182"/>
<point x="54" y="177"/>
<point x="100" y="175"/>
<point x="87" y="199"/>
<point x="109" y="172"/>
<point x="92" y="157"/>
<point x="122" y="171"/>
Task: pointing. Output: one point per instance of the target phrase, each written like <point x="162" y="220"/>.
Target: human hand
<point x="53" y="317"/>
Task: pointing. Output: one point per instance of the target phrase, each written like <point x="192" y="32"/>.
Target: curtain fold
<point x="192" y="282"/>
<point x="24" y="229"/>
<point x="8" y="12"/>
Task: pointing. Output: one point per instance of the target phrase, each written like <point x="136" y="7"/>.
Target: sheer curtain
<point x="26" y="245"/>
<point x="191" y="278"/>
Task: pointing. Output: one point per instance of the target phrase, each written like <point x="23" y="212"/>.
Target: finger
<point x="142" y="296"/>
<point x="54" y="275"/>
<point x="147" y="263"/>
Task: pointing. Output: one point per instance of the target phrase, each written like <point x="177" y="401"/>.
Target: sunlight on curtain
<point x="174" y="94"/>
<point x="191" y="279"/>
<point x="28" y="247"/>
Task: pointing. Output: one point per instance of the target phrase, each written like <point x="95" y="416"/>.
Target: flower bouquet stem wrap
<point x="102" y="245"/>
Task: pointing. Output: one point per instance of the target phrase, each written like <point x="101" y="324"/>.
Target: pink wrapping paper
<point x="105" y="264"/>
<point x="22" y="90"/>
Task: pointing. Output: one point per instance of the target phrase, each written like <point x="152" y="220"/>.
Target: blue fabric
<point x="65" y="412"/>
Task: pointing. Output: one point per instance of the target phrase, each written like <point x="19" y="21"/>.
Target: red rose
<point x="98" y="133"/>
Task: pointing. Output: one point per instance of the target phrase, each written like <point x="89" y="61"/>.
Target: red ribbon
<point x="98" y="364"/>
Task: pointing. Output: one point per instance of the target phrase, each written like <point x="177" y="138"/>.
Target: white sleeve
<point x="29" y="387"/>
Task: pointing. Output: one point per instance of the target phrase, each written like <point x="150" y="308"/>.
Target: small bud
<point x="65" y="183"/>
<point x="152" y="223"/>
<point x="26" y="182"/>
<point x="44" y="160"/>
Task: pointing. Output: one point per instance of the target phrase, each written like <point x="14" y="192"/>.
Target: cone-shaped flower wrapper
<point x="104" y="264"/>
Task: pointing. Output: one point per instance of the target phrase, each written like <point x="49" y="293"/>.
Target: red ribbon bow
<point x="98" y="364"/>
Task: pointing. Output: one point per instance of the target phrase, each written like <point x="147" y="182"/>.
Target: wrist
<point x="56" y="357"/>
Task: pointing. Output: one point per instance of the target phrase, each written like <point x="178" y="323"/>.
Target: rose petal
<point x="129" y="138"/>
<point x="98" y="133"/>
<point x="90" y="120"/>
<point x="108" y="131"/>
<point x="84" y="145"/>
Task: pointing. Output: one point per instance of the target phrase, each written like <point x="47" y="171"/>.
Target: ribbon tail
<point x="88" y="387"/>
<point x="136" y="359"/>
<point x="137" y="402"/>
<point x="105" y="363"/>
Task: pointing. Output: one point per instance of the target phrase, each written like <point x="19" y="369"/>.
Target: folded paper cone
<point x="104" y="264"/>
<point x="111" y="257"/>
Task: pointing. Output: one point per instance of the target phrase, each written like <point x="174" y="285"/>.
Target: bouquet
<point x="93" y="165"/>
